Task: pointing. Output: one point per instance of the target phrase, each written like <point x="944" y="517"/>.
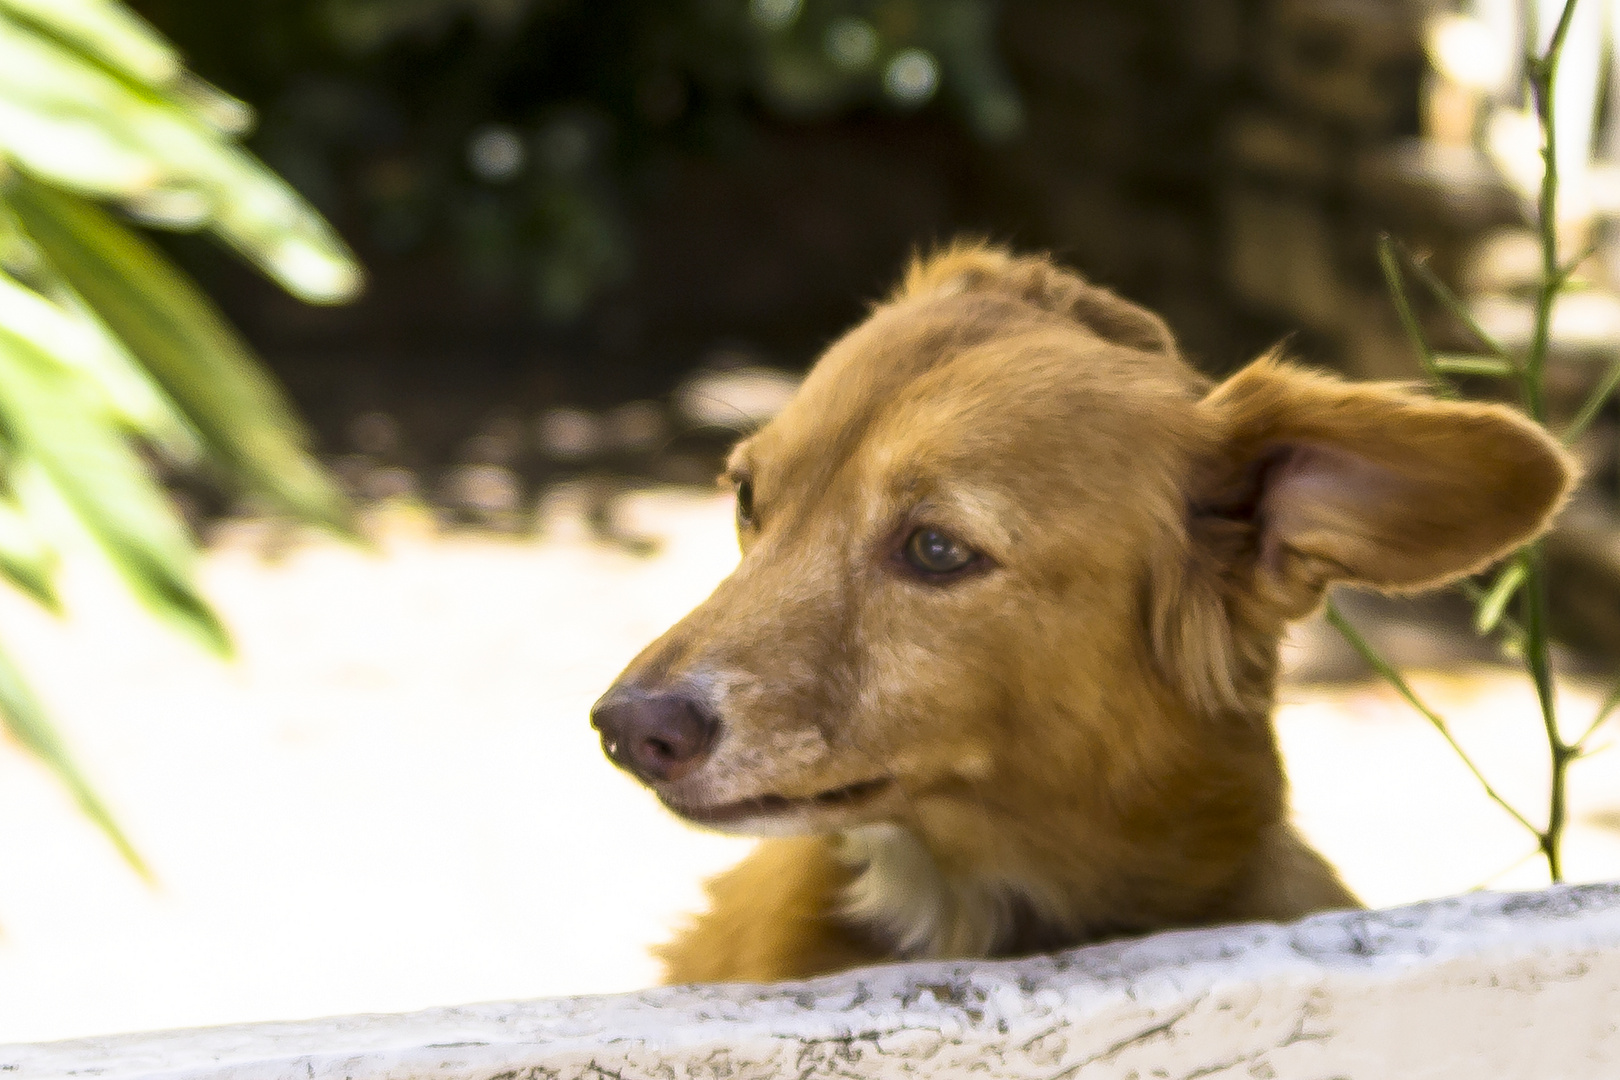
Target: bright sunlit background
<point x="524" y="268"/>
<point x="394" y="799"/>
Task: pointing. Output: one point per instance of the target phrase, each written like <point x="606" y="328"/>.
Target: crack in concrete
<point x="1146" y="1035"/>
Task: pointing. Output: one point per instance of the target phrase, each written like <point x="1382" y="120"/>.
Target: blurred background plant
<point x="569" y="208"/>
<point x="513" y="130"/>
<point x="112" y="363"/>
<point x="1564" y="263"/>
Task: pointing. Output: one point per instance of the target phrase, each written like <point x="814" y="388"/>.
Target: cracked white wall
<point x="1485" y="985"/>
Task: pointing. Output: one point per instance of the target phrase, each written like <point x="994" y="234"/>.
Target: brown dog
<point x="996" y="670"/>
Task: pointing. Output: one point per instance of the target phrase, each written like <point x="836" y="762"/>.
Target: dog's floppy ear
<point x="970" y="265"/>
<point x="1366" y="483"/>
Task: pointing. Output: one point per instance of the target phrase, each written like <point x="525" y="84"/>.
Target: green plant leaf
<point x="55" y="423"/>
<point x="26" y="560"/>
<point x="101" y="338"/>
<point x="75" y="338"/>
<point x="186" y="345"/>
<point x="118" y="39"/>
<point x="1495" y="601"/>
<point x="25" y="719"/>
<point x="108" y="31"/>
<point x="1494" y="367"/>
<point x="69" y="121"/>
<point x="74" y="147"/>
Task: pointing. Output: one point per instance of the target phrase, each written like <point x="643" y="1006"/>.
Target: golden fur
<point x="1072" y="739"/>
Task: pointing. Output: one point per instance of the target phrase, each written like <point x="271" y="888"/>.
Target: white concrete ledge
<point x="1481" y="986"/>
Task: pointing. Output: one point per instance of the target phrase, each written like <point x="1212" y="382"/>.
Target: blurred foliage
<point x="109" y="356"/>
<point x="516" y="132"/>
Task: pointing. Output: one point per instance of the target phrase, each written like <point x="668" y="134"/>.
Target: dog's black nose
<point x="658" y="736"/>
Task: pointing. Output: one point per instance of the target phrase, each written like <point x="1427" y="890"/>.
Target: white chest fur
<point x="901" y="895"/>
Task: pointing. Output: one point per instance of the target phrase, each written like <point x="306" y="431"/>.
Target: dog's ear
<point x="1330" y="481"/>
<point x="968" y="266"/>
<point x="1303" y="480"/>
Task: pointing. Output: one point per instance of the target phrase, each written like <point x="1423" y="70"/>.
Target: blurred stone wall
<point x="1232" y="163"/>
<point x="1227" y="162"/>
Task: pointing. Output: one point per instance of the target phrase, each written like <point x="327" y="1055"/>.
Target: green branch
<point x="1525" y="576"/>
<point x="1533" y="601"/>
<point x="1403" y="308"/>
<point x="1396" y="680"/>
<point x="1452" y="303"/>
<point x="1604" y="710"/>
<point x="1593" y="404"/>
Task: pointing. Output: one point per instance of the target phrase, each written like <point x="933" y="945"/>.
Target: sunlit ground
<point x="393" y="800"/>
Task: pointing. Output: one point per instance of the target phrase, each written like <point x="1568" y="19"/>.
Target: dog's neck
<point x="1025" y="873"/>
<point x="927" y="890"/>
<point x="902" y="899"/>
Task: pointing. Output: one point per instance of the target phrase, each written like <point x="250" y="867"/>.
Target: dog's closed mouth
<point x="772" y="805"/>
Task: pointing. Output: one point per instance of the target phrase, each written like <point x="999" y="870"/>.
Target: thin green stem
<point x="1543" y="75"/>
<point x="1593" y="404"/>
<point x="1567" y="271"/>
<point x="1579" y="745"/>
<point x="1508" y="869"/>
<point x="1450" y="301"/>
<point x="1533" y="613"/>
<point x="1403" y="308"/>
<point x="1488" y="366"/>
<point x="1396" y="680"/>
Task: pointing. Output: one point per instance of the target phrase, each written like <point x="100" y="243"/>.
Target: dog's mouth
<point x="843" y="798"/>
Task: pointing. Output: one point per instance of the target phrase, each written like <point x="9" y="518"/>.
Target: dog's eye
<point x="745" y="503"/>
<point x="936" y="552"/>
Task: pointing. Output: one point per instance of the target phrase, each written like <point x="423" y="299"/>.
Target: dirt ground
<point x="393" y="798"/>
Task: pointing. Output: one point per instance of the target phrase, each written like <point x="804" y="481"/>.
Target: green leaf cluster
<point x="109" y="355"/>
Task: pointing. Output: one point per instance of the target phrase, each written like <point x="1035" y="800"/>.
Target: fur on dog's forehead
<point x="970" y="383"/>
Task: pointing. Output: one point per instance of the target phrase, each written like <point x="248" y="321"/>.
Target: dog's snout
<point x="657" y="736"/>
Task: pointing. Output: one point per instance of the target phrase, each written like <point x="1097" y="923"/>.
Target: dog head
<point x="1006" y="549"/>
